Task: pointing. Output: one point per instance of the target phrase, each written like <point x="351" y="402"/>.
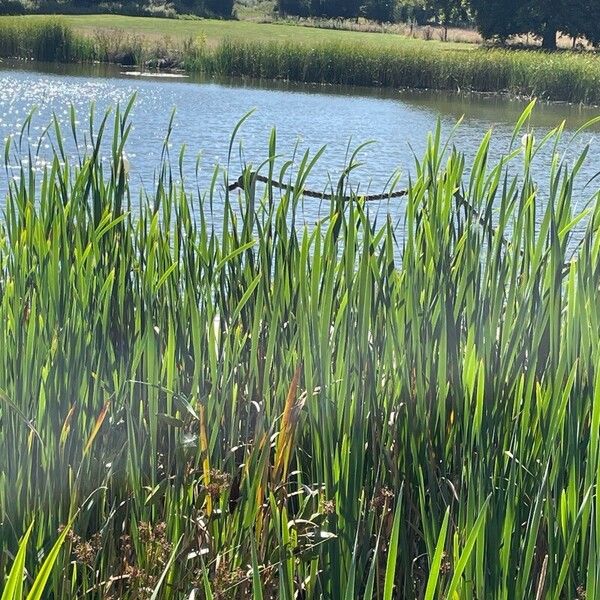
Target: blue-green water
<point x="306" y="118"/>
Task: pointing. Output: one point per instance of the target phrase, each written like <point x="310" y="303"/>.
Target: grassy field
<point x="225" y="404"/>
<point x="214" y="31"/>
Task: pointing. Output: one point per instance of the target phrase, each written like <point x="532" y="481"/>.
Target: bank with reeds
<point x="211" y="400"/>
<point x="564" y="76"/>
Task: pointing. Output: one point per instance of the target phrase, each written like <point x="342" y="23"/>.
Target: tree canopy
<point x="543" y="18"/>
<point x="217" y="8"/>
<point x="499" y="19"/>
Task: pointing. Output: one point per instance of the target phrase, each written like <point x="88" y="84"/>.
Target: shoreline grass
<point x="563" y="76"/>
<point x="214" y="397"/>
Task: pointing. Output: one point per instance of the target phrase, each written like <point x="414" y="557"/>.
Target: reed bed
<point x="572" y="77"/>
<point x="44" y="40"/>
<point x="565" y="76"/>
<point x="252" y="407"/>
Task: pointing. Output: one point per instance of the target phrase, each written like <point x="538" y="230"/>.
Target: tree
<point x="582" y="19"/>
<point x="192" y="7"/>
<point x="448" y="12"/>
<point x="497" y="18"/>
<point x="379" y="10"/>
<point x="591" y="27"/>
<point x="222" y="8"/>
<point x="299" y="8"/>
<point x="345" y="9"/>
<point x="542" y="18"/>
<point x="11" y="7"/>
<point x="545" y="18"/>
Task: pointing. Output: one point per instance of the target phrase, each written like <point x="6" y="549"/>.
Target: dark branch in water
<point x="240" y="185"/>
<point x="253" y="177"/>
<point x="485" y="224"/>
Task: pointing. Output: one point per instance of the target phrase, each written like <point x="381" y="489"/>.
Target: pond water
<point x="306" y="117"/>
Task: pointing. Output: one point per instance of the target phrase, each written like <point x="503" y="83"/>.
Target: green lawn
<point x="215" y="31"/>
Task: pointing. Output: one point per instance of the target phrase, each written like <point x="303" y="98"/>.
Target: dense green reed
<point x="250" y="407"/>
<point x="562" y="76"/>
<point x="47" y="40"/>
<point x="566" y="76"/>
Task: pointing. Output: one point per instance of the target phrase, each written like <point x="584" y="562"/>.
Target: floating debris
<point x="155" y="74"/>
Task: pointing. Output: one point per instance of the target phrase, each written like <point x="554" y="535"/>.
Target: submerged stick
<point x="484" y="223"/>
<point x="239" y="184"/>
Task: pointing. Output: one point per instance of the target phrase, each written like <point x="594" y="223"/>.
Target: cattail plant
<point x="250" y="406"/>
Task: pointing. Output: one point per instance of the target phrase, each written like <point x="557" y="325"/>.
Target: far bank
<point x="400" y="63"/>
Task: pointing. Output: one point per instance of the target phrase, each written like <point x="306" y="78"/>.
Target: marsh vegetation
<point x="283" y="409"/>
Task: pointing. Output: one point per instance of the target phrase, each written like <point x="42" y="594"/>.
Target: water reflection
<point x="306" y="117"/>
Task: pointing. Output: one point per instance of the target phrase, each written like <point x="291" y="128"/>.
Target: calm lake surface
<point x="306" y="117"/>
